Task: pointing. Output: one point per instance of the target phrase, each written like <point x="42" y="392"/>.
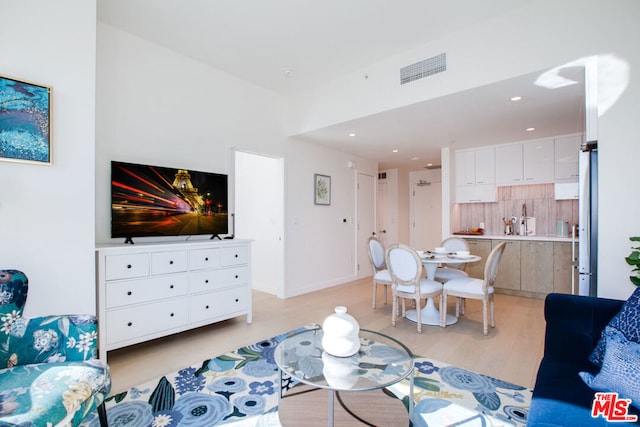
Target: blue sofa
<point x="574" y="325"/>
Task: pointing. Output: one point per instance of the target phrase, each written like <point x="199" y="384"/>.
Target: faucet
<point x="523" y="223"/>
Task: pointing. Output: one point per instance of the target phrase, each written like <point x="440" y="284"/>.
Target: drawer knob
<point x="206" y="258"/>
<point x="206" y="281"/>
<point x="129" y="293"/>
<point x="236" y="276"/>
<point x="171" y="262"/>
<point x="129" y="324"/>
<point x="207" y="307"/>
<point x="171" y="314"/>
<point x="236" y="299"/>
<point x="236" y="255"/>
<point x="128" y="265"/>
<point x="170" y="286"/>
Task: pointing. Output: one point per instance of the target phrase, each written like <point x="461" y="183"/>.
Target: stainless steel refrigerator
<point x="588" y="220"/>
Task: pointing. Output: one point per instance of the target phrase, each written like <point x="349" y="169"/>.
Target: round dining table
<point x="429" y="314"/>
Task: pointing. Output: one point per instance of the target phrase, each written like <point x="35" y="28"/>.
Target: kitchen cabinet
<point x="509" y="167"/>
<point x="538" y="161"/>
<point x="482" y="248"/>
<point x="566" y="151"/>
<point x="475" y="176"/>
<point x="508" y="276"/>
<point x="563" y="267"/>
<point x="536" y="258"/>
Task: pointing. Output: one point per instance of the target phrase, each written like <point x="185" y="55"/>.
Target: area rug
<point x="241" y="388"/>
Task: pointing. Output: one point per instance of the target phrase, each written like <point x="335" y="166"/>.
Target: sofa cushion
<point x="620" y="369"/>
<point x="626" y="321"/>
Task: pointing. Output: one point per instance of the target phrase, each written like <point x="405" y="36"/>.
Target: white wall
<point x="157" y="107"/>
<point x="540" y="35"/>
<point x="47" y="212"/>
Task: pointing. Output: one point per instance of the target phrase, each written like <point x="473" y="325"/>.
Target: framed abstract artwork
<point x="25" y="121"/>
<point x="322" y="189"/>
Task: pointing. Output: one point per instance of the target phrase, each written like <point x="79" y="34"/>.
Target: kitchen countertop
<point x="540" y="238"/>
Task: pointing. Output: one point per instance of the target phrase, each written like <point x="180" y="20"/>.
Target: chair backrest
<point x="376" y="254"/>
<point x="404" y="264"/>
<point x="491" y="266"/>
<point x="453" y="244"/>
<point x="13" y="292"/>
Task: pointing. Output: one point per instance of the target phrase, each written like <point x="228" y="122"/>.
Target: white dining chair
<point x="452" y="271"/>
<point x="469" y="287"/>
<point x="405" y="267"/>
<point x="378" y="264"/>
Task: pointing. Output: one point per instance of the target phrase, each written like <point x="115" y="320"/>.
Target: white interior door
<point x="365" y="222"/>
<point x="259" y="215"/>
<point x="381" y="212"/>
<point x="427" y="215"/>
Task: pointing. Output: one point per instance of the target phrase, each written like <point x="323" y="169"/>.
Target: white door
<point x="259" y="215"/>
<point x="427" y="215"/>
<point x="381" y="212"/>
<point x="365" y="222"/>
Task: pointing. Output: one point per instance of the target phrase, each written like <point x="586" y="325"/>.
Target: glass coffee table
<point x="381" y="362"/>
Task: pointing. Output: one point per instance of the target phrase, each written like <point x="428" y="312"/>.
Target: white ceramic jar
<point x="341" y="333"/>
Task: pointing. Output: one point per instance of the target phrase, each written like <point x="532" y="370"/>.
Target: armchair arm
<point x="574" y="324"/>
<point x="49" y="339"/>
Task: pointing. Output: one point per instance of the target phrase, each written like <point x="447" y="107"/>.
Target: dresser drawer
<point x="234" y="255"/>
<point x="200" y="259"/>
<point x="218" y="304"/>
<point x="143" y="290"/>
<point x="127" y="266"/>
<point x="207" y="280"/>
<point x="168" y="262"/>
<point x="138" y="321"/>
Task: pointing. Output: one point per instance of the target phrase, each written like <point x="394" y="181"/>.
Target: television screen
<point x="159" y="201"/>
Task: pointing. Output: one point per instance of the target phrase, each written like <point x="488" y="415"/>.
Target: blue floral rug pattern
<point x="241" y="388"/>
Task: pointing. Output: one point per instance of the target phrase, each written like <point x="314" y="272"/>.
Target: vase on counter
<point x="341" y="333"/>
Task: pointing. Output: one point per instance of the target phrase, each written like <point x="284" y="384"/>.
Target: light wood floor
<point x="511" y="352"/>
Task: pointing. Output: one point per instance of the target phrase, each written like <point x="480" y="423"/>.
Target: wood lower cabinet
<point x="530" y="268"/>
<point x="147" y="291"/>
<point x="481" y="248"/>
<point x="564" y="268"/>
<point x="536" y="258"/>
<point x="508" y="276"/>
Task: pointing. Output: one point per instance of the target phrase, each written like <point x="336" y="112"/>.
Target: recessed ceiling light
<point x="415" y="158"/>
<point x="516" y="98"/>
<point x="352" y="134"/>
<point x="530" y="129"/>
<point x="429" y="164"/>
<point x="395" y="151"/>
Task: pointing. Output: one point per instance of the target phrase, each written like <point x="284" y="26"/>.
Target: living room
<point x="118" y="97"/>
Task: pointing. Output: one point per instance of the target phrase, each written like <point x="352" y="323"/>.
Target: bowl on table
<point x="440" y="250"/>
<point x="463" y="254"/>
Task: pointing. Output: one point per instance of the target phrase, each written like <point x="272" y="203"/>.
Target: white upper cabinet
<point x="567" y="149"/>
<point x="538" y="161"/>
<point x="509" y="164"/>
<point x="465" y="167"/>
<point x="475" y="175"/>
<point x="485" y="166"/>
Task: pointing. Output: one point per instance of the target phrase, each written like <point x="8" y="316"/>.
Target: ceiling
<point x="291" y="45"/>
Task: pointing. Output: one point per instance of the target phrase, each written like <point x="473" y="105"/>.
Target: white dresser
<point x="147" y="291"/>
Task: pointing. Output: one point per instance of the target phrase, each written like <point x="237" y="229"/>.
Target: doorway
<point x="259" y="216"/>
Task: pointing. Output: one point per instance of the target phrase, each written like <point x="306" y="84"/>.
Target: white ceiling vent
<point x="425" y="68"/>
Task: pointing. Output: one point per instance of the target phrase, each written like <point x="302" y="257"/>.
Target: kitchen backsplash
<point x="540" y="202"/>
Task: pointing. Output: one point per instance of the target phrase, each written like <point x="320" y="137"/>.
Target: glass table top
<point x="380" y="362"/>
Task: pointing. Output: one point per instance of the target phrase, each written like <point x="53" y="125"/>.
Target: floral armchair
<point x="50" y="375"/>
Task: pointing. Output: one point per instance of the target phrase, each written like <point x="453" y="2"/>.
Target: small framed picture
<point x="322" y="189"/>
<point x="25" y="121"/>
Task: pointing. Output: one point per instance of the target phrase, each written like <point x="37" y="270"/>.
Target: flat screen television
<point x="151" y="201"/>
